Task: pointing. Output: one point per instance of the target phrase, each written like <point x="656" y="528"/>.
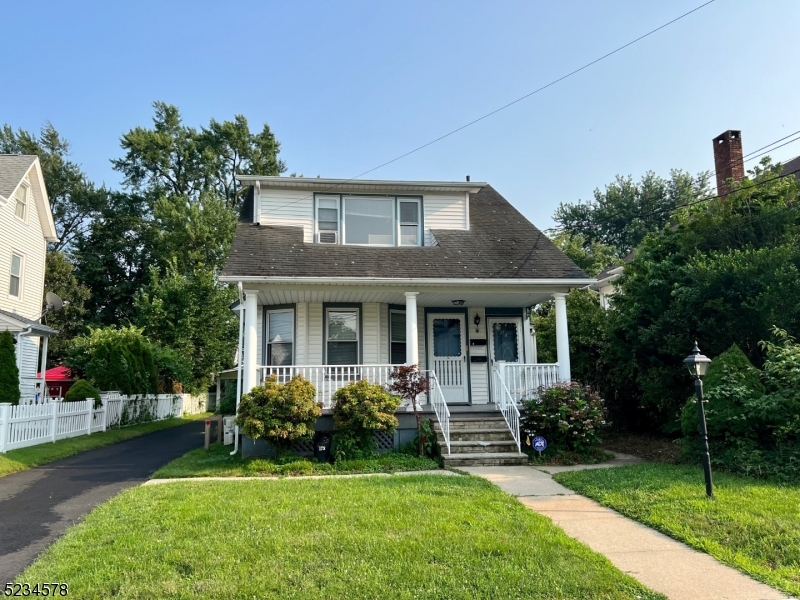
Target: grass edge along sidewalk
<point x="751" y="525"/>
<point x="23" y="459"/>
<point x="414" y="536"/>
<point x="217" y="462"/>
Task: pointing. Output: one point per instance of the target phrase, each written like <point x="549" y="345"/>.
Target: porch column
<point x="562" y="337"/>
<point x="412" y="341"/>
<point x="250" y="375"/>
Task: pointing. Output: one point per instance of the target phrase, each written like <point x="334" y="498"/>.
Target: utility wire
<point x="505" y="106"/>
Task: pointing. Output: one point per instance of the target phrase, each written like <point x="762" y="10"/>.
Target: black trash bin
<point x="322" y="446"/>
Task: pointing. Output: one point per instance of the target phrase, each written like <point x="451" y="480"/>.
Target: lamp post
<point x="697" y="365"/>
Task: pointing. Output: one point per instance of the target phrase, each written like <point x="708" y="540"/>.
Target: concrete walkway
<point x="656" y="560"/>
<point x="38" y="505"/>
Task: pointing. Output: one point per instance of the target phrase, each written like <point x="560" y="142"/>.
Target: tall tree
<point x="69" y="321"/>
<point x="173" y="159"/>
<point x="73" y="198"/>
<point x="626" y="211"/>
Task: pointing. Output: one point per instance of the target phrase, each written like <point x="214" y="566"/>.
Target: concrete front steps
<point x="479" y="441"/>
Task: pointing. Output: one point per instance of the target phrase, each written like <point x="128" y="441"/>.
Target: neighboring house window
<point x="397" y="337"/>
<point x="21" y="209"/>
<point x="342" y="336"/>
<point x="369" y="220"/>
<point x="280" y="337"/>
<point x="328" y="220"/>
<point x="15" y="285"/>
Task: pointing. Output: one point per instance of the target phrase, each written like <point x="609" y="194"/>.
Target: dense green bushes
<point x="9" y="373"/>
<point x="80" y="391"/>
<point x="280" y="413"/>
<point x="753" y="416"/>
<point x="124" y="359"/>
<point x="361" y="408"/>
<point x="569" y="416"/>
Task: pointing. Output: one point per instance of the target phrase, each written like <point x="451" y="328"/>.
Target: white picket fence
<point x="31" y="424"/>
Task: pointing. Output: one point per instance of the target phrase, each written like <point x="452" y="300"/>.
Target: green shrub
<point x="730" y="382"/>
<point x="9" y="374"/>
<point x="361" y="408"/>
<point x="80" y="391"/>
<point x="569" y="416"/>
<point x="281" y="414"/>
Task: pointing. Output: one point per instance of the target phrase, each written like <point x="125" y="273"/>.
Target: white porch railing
<point x="436" y="399"/>
<point x="524" y="380"/>
<point x="507" y="406"/>
<point x="327" y="379"/>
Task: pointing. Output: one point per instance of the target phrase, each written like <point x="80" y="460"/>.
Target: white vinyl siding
<point x="315" y="341"/>
<point x="444" y="212"/>
<point x="29" y="362"/>
<point x="301" y="340"/>
<point x="371" y="334"/>
<point x="294" y="208"/>
<point x="28" y="241"/>
<point x="384" y="334"/>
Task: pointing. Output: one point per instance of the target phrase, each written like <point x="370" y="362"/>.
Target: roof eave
<point x="318" y="183"/>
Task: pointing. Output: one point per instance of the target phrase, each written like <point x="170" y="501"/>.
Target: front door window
<point x="505" y="342"/>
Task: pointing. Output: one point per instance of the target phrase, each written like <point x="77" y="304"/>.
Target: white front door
<point x="505" y="340"/>
<point x="448" y="346"/>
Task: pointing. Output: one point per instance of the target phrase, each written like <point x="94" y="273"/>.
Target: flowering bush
<point x="569" y="416"/>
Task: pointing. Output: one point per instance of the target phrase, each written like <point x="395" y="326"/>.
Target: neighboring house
<point x="605" y="285"/>
<point x="26" y="225"/>
<point x="344" y="279"/>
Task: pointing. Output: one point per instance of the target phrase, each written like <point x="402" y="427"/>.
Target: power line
<point x="505" y="106"/>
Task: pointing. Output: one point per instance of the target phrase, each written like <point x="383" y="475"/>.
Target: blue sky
<point x="346" y="86"/>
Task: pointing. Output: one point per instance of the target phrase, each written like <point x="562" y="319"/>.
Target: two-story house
<point x="26" y="225"/>
<point x="343" y="279"/>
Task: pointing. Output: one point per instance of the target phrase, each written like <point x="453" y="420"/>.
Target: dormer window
<point x="369" y="220"/>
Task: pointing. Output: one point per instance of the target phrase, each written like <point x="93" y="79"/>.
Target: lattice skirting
<point x="383" y="441"/>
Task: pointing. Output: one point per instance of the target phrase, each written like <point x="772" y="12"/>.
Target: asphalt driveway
<point x="38" y="505"/>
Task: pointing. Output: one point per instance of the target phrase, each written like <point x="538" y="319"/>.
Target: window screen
<point x="342" y="337"/>
<point x="397" y="338"/>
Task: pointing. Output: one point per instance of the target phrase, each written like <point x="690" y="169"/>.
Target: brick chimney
<point x="728" y="160"/>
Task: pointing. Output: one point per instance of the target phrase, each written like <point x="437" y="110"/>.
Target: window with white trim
<point x="397" y="337"/>
<point x="369" y="220"/>
<point x="280" y="337"/>
<point x="21" y="207"/>
<point x="15" y="284"/>
<point x="341" y="336"/>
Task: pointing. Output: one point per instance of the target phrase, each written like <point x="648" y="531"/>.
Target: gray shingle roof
<point x="12" y="169"/>
<point x="792" y="166"/>
<point x="501" y="244"/>
<point x="28" y="322"/>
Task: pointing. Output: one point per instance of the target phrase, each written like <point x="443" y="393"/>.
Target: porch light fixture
<point x="477" y="321"/>
<point x="697" y="364"/>
<point x="458" y="302"/>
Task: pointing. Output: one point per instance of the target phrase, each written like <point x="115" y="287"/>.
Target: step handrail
<point x="508" y="407"/>
<point x="436" y="398"/>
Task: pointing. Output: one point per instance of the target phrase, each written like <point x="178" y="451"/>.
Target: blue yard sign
<point x="539" y="443"/>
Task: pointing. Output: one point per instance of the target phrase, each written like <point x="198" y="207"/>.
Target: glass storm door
<point x="505" y="340"/>
<point x="448" y="347"/>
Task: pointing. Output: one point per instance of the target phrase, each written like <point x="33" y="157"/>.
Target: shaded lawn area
<point x="33" y="456"/>
<point x="752" y="525"/>
<point x="418" y="536"/>
<point x="217" y="462"/>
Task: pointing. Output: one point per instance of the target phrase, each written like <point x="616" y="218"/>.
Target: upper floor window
<point x="15" y="285"/>
<point x="21" y="207"/>
<point x="369" y="220"/>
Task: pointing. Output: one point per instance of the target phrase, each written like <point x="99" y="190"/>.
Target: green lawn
<point x="423" y="536"/>
<point x="218" y="462"/>
<point x="33" y="456"/>
<point x="752" y="525"/>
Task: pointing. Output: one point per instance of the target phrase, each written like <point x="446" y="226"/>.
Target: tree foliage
<point x="174" y="160"/>
<point x="82" y="390"/>
<point x="9" y="373"/>
<point x="725" y="273"/>
<point x="626" y="211"/>
<point x="60" y="279"/>
<point x="409" y="383"/>
<point x="73" y="198"/>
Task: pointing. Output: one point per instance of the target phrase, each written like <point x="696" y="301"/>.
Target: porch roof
<point x="501" y="244"/>
<point x="11" y="321"/>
